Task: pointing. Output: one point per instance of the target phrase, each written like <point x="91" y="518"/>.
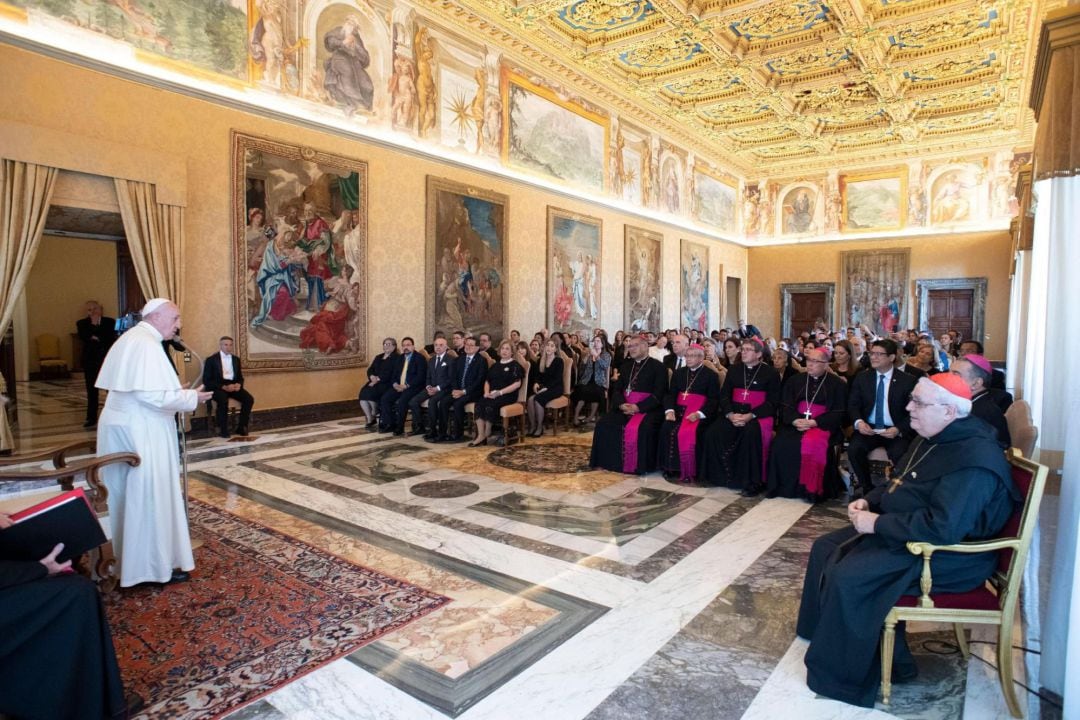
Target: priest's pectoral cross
<point x="745" y="394"/>
<point x="807" y="414"/>
<point x="685" y="395"/>
<point x="894" y="483"/>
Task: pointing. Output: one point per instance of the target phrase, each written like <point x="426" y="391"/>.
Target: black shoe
<point x="452" y="439"/>
<point x="417" y="431"/>
<point x="371" y="425"/>
<point x="179" y="576"/>
<point x="242" y="430"/>
<point x="385" y="429"/>
<point x="750" y="492"/>
<point x="133" y="704"/>
<point x="399" y="433"/>
<point x="431" y="438"/>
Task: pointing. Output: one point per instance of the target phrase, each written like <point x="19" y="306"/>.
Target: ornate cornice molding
<point x="1060" y="29"/>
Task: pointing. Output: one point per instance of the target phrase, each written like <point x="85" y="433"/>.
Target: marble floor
<point x="575" y="594"/>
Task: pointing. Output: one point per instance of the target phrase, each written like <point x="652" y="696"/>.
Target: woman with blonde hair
<point x="547" y="386"/>
<point x="503" y="380"/>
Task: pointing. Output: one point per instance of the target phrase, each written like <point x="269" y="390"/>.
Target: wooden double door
<point x="951" y="310"/>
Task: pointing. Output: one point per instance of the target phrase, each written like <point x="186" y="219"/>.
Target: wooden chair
<point x="995" y="602"/>
<point x="561" y="403"/>
<point x="1023" y="432"/>
<point x="49" y="358"/>
<point x="470" y="408"/>
<point x="64" y="474"/>
<point x="517" y="409"/>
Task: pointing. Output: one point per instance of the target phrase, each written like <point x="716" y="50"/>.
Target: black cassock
<point x="56" y="653"/>
<point x="803" y="463"/>
<point x="690" y="391"/>
<point x="736" y="456"/>
<point x="615" y="446"/>
<point x="957" y="486"/>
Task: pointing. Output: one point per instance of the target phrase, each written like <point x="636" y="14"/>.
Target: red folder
<point x="67" y="518"/>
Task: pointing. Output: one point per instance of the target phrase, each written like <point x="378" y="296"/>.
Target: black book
<point x="66" y="518"/>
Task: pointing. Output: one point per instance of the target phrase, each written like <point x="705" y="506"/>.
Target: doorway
<point x="953" y="304"/>
<point x="804" y="305"/>
<point x="732" y="300"/>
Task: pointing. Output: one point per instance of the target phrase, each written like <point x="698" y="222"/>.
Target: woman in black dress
<point x="379" y="380"/>
<point x="503" y="380"/>
<point x="547" y="385"/>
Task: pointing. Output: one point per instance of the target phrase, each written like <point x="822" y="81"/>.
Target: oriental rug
<point x="260" y="610"/>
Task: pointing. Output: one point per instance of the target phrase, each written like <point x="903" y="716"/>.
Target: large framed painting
<point x="714" y="201"/>
<point x="547" y="135"/>
<point x="694" y="286"/>
<point x="874" y="201"/>
<point x="467" y="259"/>
<point x="874" y="288"/>
<point x="643" y="291"/>
<point x="299" y="256"/>
<point x="573" y="286"/>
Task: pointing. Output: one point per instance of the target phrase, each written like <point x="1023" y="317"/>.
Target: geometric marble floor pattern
<point x="572" y="594"/>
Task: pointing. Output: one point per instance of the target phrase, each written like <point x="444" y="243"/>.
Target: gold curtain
<point x="25" y="193"/>
<point x="155" y="235"/>
<point x="1055" y="96"/>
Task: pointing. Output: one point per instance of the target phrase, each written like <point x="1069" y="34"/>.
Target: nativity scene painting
<point x="300" y="250"/>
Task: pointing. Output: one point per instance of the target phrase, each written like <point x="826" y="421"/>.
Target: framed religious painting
<point x="694" y="286"/>
<point x="573" y="275"/>
<point x="299" y="256"/>
<point x="873" y="201"/>
<point x="467" y="259"/>
<point x="643" y="291"/>
<point x="874" y="288"/>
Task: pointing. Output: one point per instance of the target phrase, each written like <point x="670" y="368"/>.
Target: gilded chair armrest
<point x="927" y="550"/>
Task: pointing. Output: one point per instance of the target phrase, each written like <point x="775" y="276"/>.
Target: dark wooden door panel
<point x="806" y="309"/>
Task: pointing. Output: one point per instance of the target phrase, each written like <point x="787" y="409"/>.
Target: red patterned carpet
<point x="260" y="610"/>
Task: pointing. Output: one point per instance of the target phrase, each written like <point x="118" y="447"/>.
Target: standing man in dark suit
<point x="440" y="377"/>
<point x="223" y="377"/>
<point x="408" y="373"/>
<point x="877" y="406"/>
<point x="470" y="371"/>
<point x="746" y="330"/>
<point x="97" y="334"/>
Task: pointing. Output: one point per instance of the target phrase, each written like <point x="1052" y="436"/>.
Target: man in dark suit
<point x="223" y="377"/>
<point x="746" y="330"/>
<point x="470" y="371"/>
<point x="440" y="377"/>
<point x="409" y="373"/>
<point x="676" y="359"/>
<point x="877" y="407"/>
<point x="97" y="333"/>
<point x="975" y="371"/>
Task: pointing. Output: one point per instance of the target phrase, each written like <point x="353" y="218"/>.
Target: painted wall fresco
<point x="573" y="285"/>
<point x="874" y="288"/>
<point x="370" y="67"/>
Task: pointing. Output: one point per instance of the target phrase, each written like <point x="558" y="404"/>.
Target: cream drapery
<point x="155" y="235"/>
<point x="25" y="193"/>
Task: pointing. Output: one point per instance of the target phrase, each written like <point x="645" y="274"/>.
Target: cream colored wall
<point x="943" y="256"/>
<point x="113" y="113"/>
<point x="66" y="273"/>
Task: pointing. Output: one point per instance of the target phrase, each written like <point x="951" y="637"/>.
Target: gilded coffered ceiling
<point x="775" y="88"/>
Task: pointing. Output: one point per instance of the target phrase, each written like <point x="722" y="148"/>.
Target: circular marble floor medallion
<point x="543" y="458"/>
<point x="444" y="488"/>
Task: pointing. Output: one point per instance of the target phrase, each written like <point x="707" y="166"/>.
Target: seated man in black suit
<point x="676" y="359"/>
<point x="409" y="373"/>
<point x="97" y="334"/>
<point x="470" y="371"/>
<point x="223" y="377"/>
<point x="440" y="376"/>
<point x="877" y="406"/>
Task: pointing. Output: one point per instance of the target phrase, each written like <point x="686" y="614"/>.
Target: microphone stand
<point x="195" y="541"/>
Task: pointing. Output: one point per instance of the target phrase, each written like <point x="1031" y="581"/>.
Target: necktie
<point x="678" y="364"/>
<point x="404" y="369"/>
<point x="879" y="403"/>
<point x="468" y="359"/>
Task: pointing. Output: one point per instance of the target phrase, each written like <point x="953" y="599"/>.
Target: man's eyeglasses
<point x="877" y="353"/>
<point x="920" y="404"/>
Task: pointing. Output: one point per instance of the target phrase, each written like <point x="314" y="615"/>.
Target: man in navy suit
<point x="223" y="377"/>
<point x="470" y="371"/>
<point x="877" y="407"/>
<point x="408" y="372"/>
<point x="440" y="377"/>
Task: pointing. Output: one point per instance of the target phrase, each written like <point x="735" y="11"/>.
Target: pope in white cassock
<point x="149" y="525"/>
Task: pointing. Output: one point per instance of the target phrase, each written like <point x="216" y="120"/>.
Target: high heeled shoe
<point x="478" y="443"/>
